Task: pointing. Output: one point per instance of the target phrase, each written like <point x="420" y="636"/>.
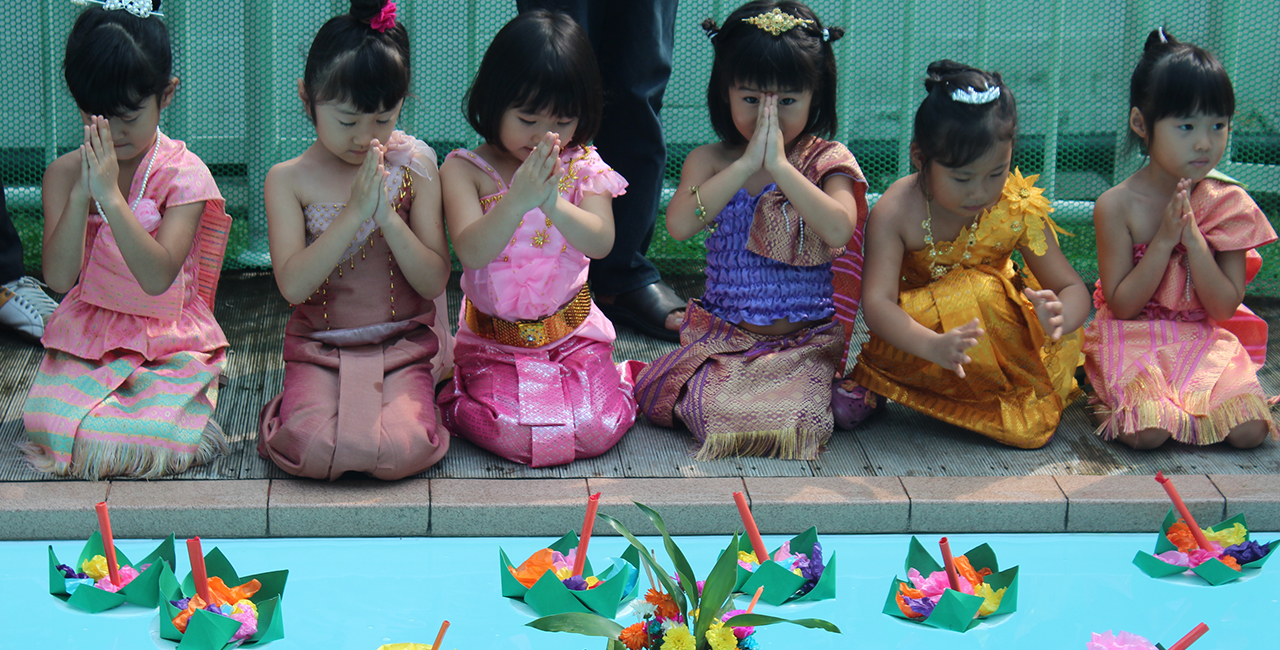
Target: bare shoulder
<point x="64" y="170"/>
<point x="1113" y="206"/>
<point x="900" y="199"/>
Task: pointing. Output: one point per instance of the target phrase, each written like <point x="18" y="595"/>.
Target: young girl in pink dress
<point x="1172" y="353"/>
<point x="535" y="379"/>
<point x="358" y="246"/>
<point x="134" y="232"/>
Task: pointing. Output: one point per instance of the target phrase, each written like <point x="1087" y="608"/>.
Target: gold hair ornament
<point x="776" y="22"/>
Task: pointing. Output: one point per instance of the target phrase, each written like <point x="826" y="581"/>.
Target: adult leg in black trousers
<point x="633" y="41"/>
<point x="24" y="306"/>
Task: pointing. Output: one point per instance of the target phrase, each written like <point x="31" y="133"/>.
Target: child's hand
<point x="949" y="349"/>
<point x="1192" y="238"/>
<point x="549" y="203"/>
<point x="1048" y="310"/>
<point x="753" y="157"/>
<point x="383" y="212"/>
<point x="368" y="187"/>
<point x="100" y="160"/>
<point x="1175" y="218"/>
<point x="536" y="177"/>
<point x="775" y="152"/>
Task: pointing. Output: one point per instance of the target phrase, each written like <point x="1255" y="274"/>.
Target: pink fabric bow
<point x="385" y="20"/>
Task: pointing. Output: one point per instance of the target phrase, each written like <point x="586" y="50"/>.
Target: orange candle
<point x="1201" y="541"/>
<point x="1191" y="637"/>
<point x="197" y="569"/>
<point x="108" y="542"/>
<point x="755" y="599"/>
<point x="950" y="564"/>
<point x="580" y="560"/>
<point x="440" y="637"/>
<point x="753" y="533"/>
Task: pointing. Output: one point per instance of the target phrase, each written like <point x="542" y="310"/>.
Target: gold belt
<point x="531" y="333"/>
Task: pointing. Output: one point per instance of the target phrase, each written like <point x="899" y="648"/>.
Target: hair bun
<point x="834" y="34"/>
<point x="366" y="10"/>
<point x="709" y="26"/>
<point x="943" y="71"/>
<point x="1158" y="40"/>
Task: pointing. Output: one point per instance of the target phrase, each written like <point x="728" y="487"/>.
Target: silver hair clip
<point x="976" y="97"/>
<point x="826" y="34"/>
<point x="139" y="8"/>
<point x="1164" y="38"/>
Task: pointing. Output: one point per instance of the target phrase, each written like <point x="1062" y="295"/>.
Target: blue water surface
<point x="360" y="593"/>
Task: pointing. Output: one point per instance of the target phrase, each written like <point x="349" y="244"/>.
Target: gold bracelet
<point x="701" y="212"/>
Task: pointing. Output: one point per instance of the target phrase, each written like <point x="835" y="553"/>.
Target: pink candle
<point x="1182" y="510"/>
<point x="587" y="524"/>
<point x="440" y="637"/>
<point x="753" y="533"/>
<point x="950" y="564"/>
<point x="108" y="542"/>
<point x="1190" y="638"/>
<point x="197" y="570"/>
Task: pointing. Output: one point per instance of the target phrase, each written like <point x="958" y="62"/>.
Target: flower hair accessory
<point x="385" y="20"/>
<point x="976" y="97"/>
<point x="139" y="8"/>
<point x="776" y="22"/>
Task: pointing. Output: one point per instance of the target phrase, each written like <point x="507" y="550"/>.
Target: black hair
<point x="953" y="133"/>
<point x="797" y="59"/>
<point x="1175" y="79"/>
<point x="350" y="61"/>
<point x="540" y="61"/>
<point x="116" y="61"/>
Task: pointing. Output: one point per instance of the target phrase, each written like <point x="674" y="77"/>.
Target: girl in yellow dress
<point x="959" y="332"/>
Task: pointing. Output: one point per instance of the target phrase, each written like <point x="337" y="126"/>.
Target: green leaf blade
<point x="578" y="623"/>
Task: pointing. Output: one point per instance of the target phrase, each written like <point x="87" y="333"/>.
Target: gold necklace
<point x="936" y="270"/>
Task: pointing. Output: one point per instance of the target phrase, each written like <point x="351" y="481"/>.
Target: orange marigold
<point x="634" y="637"/>
<point x="665" y="604"/>
<point x="1180" y="535"/>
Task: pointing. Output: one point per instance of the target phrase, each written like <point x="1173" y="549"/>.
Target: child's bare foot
<point x="653" y="309"/>
<point x="1145" y="439"/>
<point x="1248" y="435"/>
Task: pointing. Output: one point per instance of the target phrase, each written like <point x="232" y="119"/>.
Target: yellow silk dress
<point x="1019" y="380"/>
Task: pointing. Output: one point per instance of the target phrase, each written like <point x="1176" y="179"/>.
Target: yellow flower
<point x="1227" y="536"/>
<point x="678" y="638"/>
<point x="990" y="600"/>
<point x="1023" y="195"/>
<point x="95" y="567"/>
<point x="750" y="558"/>
<point x="721" y="637"/>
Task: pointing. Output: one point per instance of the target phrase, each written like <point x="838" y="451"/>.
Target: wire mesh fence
<point x="1068" y="63"/>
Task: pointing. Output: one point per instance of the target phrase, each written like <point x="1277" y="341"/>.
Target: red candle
<point x="1182" y="510"/>
<point x="580" y="560"/>
<point x="108" y="542"/>
<point x="753" y="533"/>
<point x="755" y="599"/>
<point x="440" y="637"/>
<point x="197" y="570"/>
<point x="1190" y="638"/>
<point x="950" y="564"/>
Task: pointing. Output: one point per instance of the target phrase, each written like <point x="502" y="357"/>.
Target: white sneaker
<point x="19" y="315"/>
<point x="32" y="290"/>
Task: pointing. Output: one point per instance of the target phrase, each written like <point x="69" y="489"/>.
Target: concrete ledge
<point x="1133" y="504"/>
<point x="689" y="506"/>
<point x="349" y="508"/>
<point x="981" y="504"/>
<point x="1257" y="496"/>
<point x="50" y="509"/>
<point x="189" y="508"/>
<point x="519" y="507"/>
<point x="853" y="504"/>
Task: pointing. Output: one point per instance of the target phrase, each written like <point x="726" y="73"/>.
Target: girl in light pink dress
<point x="535" y="380"/>
<point x="358" y="246"/>
<point x="135" y="230"/>
<point x="1172" y="352"/>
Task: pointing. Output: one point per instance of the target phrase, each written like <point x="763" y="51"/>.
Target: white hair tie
<point x="976" y="97"/>
<point x="139" y="8"/>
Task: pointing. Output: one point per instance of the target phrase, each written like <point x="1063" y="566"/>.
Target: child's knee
<point x="1248" y="435"/>
<point x="1146" y="438"/>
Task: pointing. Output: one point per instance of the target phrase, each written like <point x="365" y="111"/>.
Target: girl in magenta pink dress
<point x="535" y="380"/>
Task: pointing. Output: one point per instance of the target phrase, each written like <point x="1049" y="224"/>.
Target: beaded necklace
<point x="936" y="270"/>
<point x="155" y="148"/>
